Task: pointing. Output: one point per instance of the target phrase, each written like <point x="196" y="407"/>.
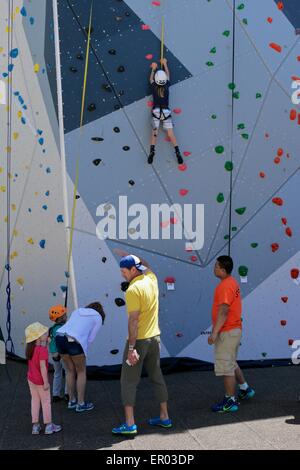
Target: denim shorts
<point x="72" y="348"/>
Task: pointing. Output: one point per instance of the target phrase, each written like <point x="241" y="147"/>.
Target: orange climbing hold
<point x="275" y="46"/>
<point x="280" y="5"/>
<point x="280" y="152"/>
<point x="278" y="201"/>
<point x="293" y="115"/>
<point x="289" y="232"/>
<point x="274" y="247"/>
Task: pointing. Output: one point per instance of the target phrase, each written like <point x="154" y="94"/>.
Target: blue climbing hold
<point x="42" y="244"/>
<point x="60" y="218"/>
<point x="23" y="11"/>
<point x="14" y="53"/>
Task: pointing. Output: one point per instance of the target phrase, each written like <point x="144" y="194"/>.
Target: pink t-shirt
<point x="34" y="370"/>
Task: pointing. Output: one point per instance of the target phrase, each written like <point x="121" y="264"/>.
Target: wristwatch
<point x="130" y="347"/>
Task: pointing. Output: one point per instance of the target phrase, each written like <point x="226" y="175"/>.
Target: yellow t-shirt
<point x="142" y="296"/>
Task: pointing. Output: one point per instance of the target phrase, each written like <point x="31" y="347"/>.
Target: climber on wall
<point x="160" y="83"/>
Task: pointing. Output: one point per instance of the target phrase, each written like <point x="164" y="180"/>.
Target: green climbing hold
<point x="245" y="21"/>
<point x="214" y="116"/>
<point x="236" y="95"/>
<point x="258" y="95"/>
<point x="226" y="33"/>
<point x="231" y="86"/>
<point x="241" y="6"/>
<point x="219" y="149"/>
<point x="226" y="237"/>
<point x="210" y="64"/>
<point x="254" y="245"/>
<point x="220" y="197"/>
<point x="245" y="136"/>
<point x="243" y="271"/>
<point x="240" y="210"/>
<point x="229" y="166"/>
<point x="234" y="229"/>
<point x="264" y="354"/>
<point x="241" y="126"/>
<point x="213" y="50"/>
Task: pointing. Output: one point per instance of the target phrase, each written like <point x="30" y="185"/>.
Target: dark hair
<point x="226" y="263"/>
<point x="29" y="350"/>
<point x="98" y="307"/>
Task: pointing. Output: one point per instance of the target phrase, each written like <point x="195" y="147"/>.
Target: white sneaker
<point x="36" y="428"/>
<point x="51" y="428"/>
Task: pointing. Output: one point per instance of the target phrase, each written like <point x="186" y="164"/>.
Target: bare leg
<point x="70" y="376"/>
<point x="230" y="385"/>
<point x="171" y="135"/>
<point x="164" y="410"/>
<point x="154" y="135"/>
<point x="79" y="362"/>
<point x="239" y="376"/>
<point x="129" y="415"/>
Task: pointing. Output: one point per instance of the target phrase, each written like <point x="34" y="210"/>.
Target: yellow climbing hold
<point x="7" y="29"/>
<point x="20" y="114"/>
<point x="13" y="207"/>
<point x="36" y="68"/>
<point x="17" y="10"/>
<point x="5" y="219"/>
<point x="15" y="135"/>
<point x="36" y="193"/>
<point x="30" y="241"/>
<point x="14" y="255"/>
<point x="8" y="149"/>
<point x="2" y="189"/>
<point x="15" y="233"/>
<point x="1" y="169"/>
<point x="21" y="281"/>
<point x="1" y="49"/>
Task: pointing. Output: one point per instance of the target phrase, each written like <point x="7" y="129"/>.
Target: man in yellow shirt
<point x="143" y="343"/>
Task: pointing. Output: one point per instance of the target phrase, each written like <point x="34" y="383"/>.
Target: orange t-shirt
<point x="228" y="292"/>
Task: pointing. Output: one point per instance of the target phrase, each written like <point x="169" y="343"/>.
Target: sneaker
<point x="179" y="158"/>
<point x="36" y="428"/>
<point x="55" y="399"/>
<point x="227" y="405"/>
<point x="51" y="428"/>
<point x="150" y="158"/>
<point x="86" y="406"/>
<point x="164" y="423"/>
<point x="245" y="394"/>
<point x="125" y="430"/>
<point x="72" y="405"/>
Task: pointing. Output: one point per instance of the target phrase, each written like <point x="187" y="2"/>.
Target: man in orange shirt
<point x="226" y="336"/>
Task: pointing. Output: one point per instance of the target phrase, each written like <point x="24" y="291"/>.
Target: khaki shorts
<point x="226" y="350"/>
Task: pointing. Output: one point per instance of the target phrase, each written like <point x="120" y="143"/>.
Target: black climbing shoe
<point x="179" y="158"/>
<point x="150" y="158"/>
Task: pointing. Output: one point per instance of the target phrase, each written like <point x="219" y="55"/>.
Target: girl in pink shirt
<point x="37" y="355"/>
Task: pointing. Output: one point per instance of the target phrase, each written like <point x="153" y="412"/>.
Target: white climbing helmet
<point x="160" y="78"/>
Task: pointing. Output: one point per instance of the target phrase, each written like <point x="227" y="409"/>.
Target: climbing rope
<point x="162" y="43"/>
<point x="232" y="126"/>
<point x="77" y="163"/>
<point x="9" y="340"/>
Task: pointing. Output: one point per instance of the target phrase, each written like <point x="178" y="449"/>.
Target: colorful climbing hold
<point x="220" y="197"/>
<point x="219" y="149"/>
<point x="14" y="53"/>
<point x="280" y="152"/>
<point x="243" y="271"/>
<point x="60" y="218"/>
<point x="254" y="245"/>
<point x="240" y="210"/>
<point x="97" y="161"/>
<point x="119" y="302"/>
<point x="290" y="342"/>
<point x="145" y="27"/>
<point x="293" y="115"/>
<point x="194" y="258"/>
<point x="182" y="167"/>
<point x="228" y="166"/>
<point x="284" y="220"/>
<point x="183" y="192"/>
<point x="289" y="232"/>
<point x="275" y="47"/>
<point x="187" y="154"/>
<point x="177" y="110"/>
<point x="124" y="286"/>
<point x="42" y="244"/>
<point x="270" y="20"/>
<point x="284" y="299"/>
<point x="278" y="201"/>
<point x="274" y="247"/>
<point x="149" y="56"/>
<point x="114" y="351"/>
<point x="126" y="148"/>
<point x="280" y="5"/>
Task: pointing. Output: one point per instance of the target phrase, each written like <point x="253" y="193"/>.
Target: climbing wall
<point x="231" y="76"/>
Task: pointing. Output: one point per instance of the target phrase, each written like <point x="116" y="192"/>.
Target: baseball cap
<point x="131" y="261"/>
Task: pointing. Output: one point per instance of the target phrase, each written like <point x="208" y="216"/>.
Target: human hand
<point x="46" y="386"/>
<point x="132" y="357"/>
<point x="154" y="66"/>
<point x="212" y="339"/>
<point x="163" y="61"/>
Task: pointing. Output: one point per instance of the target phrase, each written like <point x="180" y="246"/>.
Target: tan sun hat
<point x="35" y="331"/>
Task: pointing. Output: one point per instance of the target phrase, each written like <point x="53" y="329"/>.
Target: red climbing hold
<point x="274" y="247"/>
<point x="284" y="220"/>
<point x="280" y="152"/>
<point x="183" y="192"/>
<point x="182" y="167"/>
<point x="291" y="342"/>
<point x="149" y="56"/>
<point x="299" y="119"/>
<point x="280" y="5"/>
<point x="284" y="299"/>
<point x="187" y="154"/>
<point x="283" y="322"/>
<point x="293" y="115"/>
<point x="298" y="58"/>
<point x="267" y="135"/>
<point x="193" y="258"/>
<point x="150" y="104"/>
<point x="275" y="46"/>
<point x="294" y="273"/>
<point x="294" y="78"/>
<point x="277" y="160"/>
<point x="177" y="110"/>
<point x="277" y="200"/>
<point x="170" y="280"/>
<point x="145" y="27"/>
<point x="288" y="231"/>
<point x="270" y="20"/>
<point x="156" y="4"/>
<point x="262" y="174"/>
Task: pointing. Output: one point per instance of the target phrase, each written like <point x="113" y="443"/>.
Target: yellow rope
<point x="162" y="39"/>
<point x="81" y="124"/>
